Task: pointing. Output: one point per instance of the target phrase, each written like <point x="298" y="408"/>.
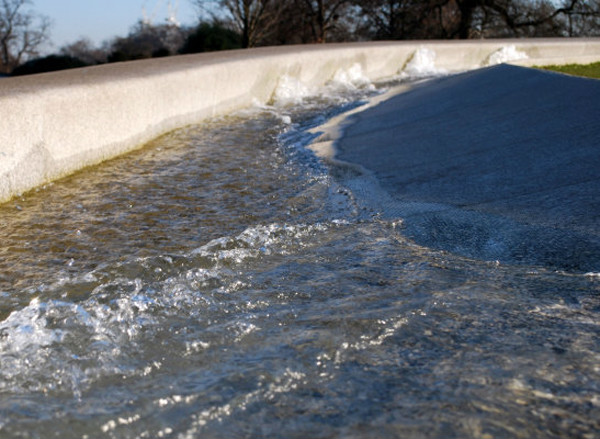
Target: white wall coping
<point x="54" y="124"/>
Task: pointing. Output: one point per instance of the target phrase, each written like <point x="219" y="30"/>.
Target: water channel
<point x="222" y="282"/>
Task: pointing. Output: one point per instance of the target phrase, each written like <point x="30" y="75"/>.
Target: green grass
<point x="588" y="70"/>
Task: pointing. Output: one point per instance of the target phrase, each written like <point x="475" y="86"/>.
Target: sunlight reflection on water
<point x="221" y="283"/>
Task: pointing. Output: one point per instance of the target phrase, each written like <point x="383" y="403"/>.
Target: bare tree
<point x="322" y="15"/>
<point x="556" y="18"/>
<point x="22" y="33"/>
<point x="146" y="41"/>
<point x="399" y="19"/>
<point x="531" y="18"/>
<point x="84" y="50"/>
<point x="253" y="19"/>
<point x="387" y="16"/>
<point x="306" y="21"/>
<point x="583" y="19"/>
<point x="403" y="19"/>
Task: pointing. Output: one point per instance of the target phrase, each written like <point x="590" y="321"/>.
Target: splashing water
<point x="505" y="54"/>
<point x="222" y="283"/>
<point x="422" y="64"/>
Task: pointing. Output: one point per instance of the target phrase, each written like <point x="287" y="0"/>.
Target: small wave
<point x="255" y="242"/>
<point x="351" y="78"/>
<point x="63" y="346"/>
<point x="59" y="347"/>
<point x="342" y="88"/>
<point x="504" y="55"/>
<point x="291" y="90"/>
<point x="421" y="65"/>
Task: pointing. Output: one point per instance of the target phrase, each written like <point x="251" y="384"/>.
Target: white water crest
<point x="37" y="342"/>
<point x="292" y="91"/>
<point x="422" y="64"/>
<point x="504" y="55"/>
<point x="351" y="77"/>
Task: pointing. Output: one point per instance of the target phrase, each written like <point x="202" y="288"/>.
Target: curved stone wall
<point x="56" y="123"/>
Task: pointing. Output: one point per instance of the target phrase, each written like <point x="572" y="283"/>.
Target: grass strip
<point x="587" y="70"/>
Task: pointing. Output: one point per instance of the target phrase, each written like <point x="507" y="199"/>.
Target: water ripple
<point x="221" y="283"/>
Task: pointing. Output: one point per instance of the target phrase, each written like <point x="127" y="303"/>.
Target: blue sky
<point x="100" y="20"/>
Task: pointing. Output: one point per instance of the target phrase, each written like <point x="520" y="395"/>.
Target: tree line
<point x="269" y="22"/>
<point x="230" y="24"/>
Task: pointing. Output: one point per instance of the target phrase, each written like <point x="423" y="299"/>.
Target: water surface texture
<point x="221" y="283"/>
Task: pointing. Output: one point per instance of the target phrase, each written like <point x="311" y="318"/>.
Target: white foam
<point x="291" y="90"/>
<point x="505" y="54"/>
<point x="422" y="64"/>
<point x="26" y="329"/>
<point x="100" y="336"/>
<point x="256" y="241"/>
<point x="29" y="334"/>
<point x="351" y="78"/>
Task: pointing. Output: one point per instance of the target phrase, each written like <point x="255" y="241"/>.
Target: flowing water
<point x="221" y="283"/>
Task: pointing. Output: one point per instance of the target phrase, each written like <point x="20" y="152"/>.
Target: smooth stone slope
<point x="54" y="124"/>
<point x="501" y="163"/>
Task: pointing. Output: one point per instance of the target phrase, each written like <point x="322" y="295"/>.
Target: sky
<point x="100" y="20"/>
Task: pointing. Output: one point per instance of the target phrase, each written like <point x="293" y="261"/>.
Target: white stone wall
<point x="56" y="123"/>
